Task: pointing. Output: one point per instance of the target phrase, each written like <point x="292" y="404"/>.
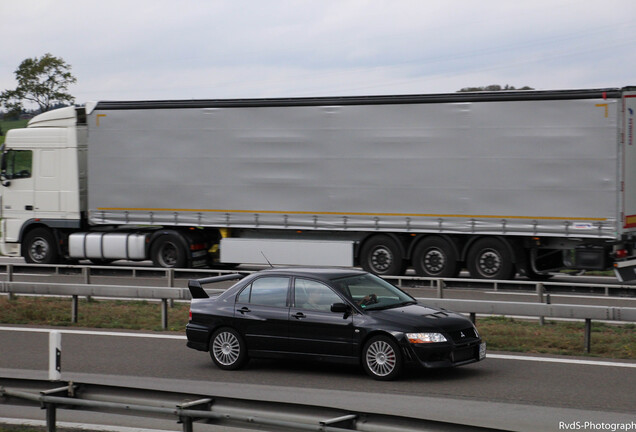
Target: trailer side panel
<point x="538" y="167"/>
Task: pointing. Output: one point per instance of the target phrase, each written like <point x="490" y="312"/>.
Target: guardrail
<point x="222" y="411"/>
<point x="170" y="274"/>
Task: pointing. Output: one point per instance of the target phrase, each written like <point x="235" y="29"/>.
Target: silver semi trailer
<point x="500" y="183"/>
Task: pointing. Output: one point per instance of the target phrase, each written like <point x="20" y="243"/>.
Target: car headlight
<point x="417" y="338"/>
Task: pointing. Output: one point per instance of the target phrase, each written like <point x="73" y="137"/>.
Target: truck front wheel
<point x="167" y="251"/>
<point x="39" y="247"/>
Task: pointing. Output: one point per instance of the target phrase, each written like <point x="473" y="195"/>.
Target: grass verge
<point x="501" y="334"/>
<point x="111" y="314"/>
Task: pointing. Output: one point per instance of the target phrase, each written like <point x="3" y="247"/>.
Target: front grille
<point x="463" y="335"/>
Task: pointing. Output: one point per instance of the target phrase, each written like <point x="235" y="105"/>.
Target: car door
<point x="313" y="328"/>
<point x="261" y="314"/>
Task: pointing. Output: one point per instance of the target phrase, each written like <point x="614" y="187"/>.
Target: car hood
<point x="420" y="317"/>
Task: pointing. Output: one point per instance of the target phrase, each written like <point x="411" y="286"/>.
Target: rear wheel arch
<point x="372" y="334"/>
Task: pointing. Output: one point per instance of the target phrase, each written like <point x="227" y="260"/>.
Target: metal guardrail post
<point x="170" y="277"/>
<point x="440" y="288"/>
<point x="187" y="421"/>
<point x="588" y="335"/>
<point x="51" y="417"/>
<point x="164" y="314"/>
<point x="10" y="279"/>
<point x="74" y="309"/>
<point x="540" y="292"/>
<point x="86" y="272"/>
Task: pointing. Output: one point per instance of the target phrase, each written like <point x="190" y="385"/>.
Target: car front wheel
<point x="227" y="349"/>
<point x="382" y="358"/>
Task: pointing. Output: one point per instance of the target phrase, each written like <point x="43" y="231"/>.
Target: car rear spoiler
<point x="195" y="285"/>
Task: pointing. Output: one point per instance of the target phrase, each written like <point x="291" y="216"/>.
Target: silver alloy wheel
<point x="381" y="358"/>
<point x="489" y="262"/>
<point x="226" y="348"/>
<point x="39" y="249"/>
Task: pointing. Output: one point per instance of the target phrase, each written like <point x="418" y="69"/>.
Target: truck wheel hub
<point x="434" y="261"/>
<point x="490" y="262"/>
<point x="381" y="259"/>
<point x="39" y="249"/>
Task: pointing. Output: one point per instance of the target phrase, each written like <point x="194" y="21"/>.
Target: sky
<point x="213" y="49"/>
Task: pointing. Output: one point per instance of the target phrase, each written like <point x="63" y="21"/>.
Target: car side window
<point x="266" y="291"/>
<point x="313" y="295"/>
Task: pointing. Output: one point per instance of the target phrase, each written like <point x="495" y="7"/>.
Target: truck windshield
<point x="371" y="292"/>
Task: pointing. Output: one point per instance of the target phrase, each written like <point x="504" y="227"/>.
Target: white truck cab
<point x="44" y="181"/>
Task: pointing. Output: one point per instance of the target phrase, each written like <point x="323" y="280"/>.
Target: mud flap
<point x="625" y="270"/>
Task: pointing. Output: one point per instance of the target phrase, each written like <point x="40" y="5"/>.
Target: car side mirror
<point x="340" y="308"/>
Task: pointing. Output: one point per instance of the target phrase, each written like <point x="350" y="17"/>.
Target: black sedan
<point x="340" y="315"/>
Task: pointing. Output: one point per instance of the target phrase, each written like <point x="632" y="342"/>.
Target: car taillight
<point x="190" y="317"/>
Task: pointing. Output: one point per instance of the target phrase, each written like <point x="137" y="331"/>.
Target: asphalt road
<point x="530" y="393"/>
<point x="532" y="386"/>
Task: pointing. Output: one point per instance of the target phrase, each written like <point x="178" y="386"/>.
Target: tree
<point x="493" y="87"/>
<point x="43" y="81"/>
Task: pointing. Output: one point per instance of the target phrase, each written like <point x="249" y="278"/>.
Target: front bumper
<point x="444" y="355"/>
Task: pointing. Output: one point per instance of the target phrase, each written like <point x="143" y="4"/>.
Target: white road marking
<point x="96" y="333"/>
<point x="178" y="337"/>
<point x="79" y="426"/>
<point x="560" y="360"/>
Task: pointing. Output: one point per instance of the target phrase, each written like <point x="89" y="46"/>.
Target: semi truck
<point x="499" y="183"/>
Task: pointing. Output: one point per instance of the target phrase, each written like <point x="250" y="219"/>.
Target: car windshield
<point x="371" y="292"/>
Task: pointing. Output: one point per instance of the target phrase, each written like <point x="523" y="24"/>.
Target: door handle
<point x="299" y="315"/>
<point x="243" y="310"/>
<point x="28" y="207"/>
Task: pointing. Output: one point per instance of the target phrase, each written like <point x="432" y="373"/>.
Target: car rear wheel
<point x="227" y="349"/>
<point x="382" y="358"/>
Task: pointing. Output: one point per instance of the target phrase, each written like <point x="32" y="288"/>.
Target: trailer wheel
<point x="39" y="247"/>
<point x="489" y="258"/>
<point x="167" y="251"/>
<point x="382" y="255"/>
<point x="435" y="257"/>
